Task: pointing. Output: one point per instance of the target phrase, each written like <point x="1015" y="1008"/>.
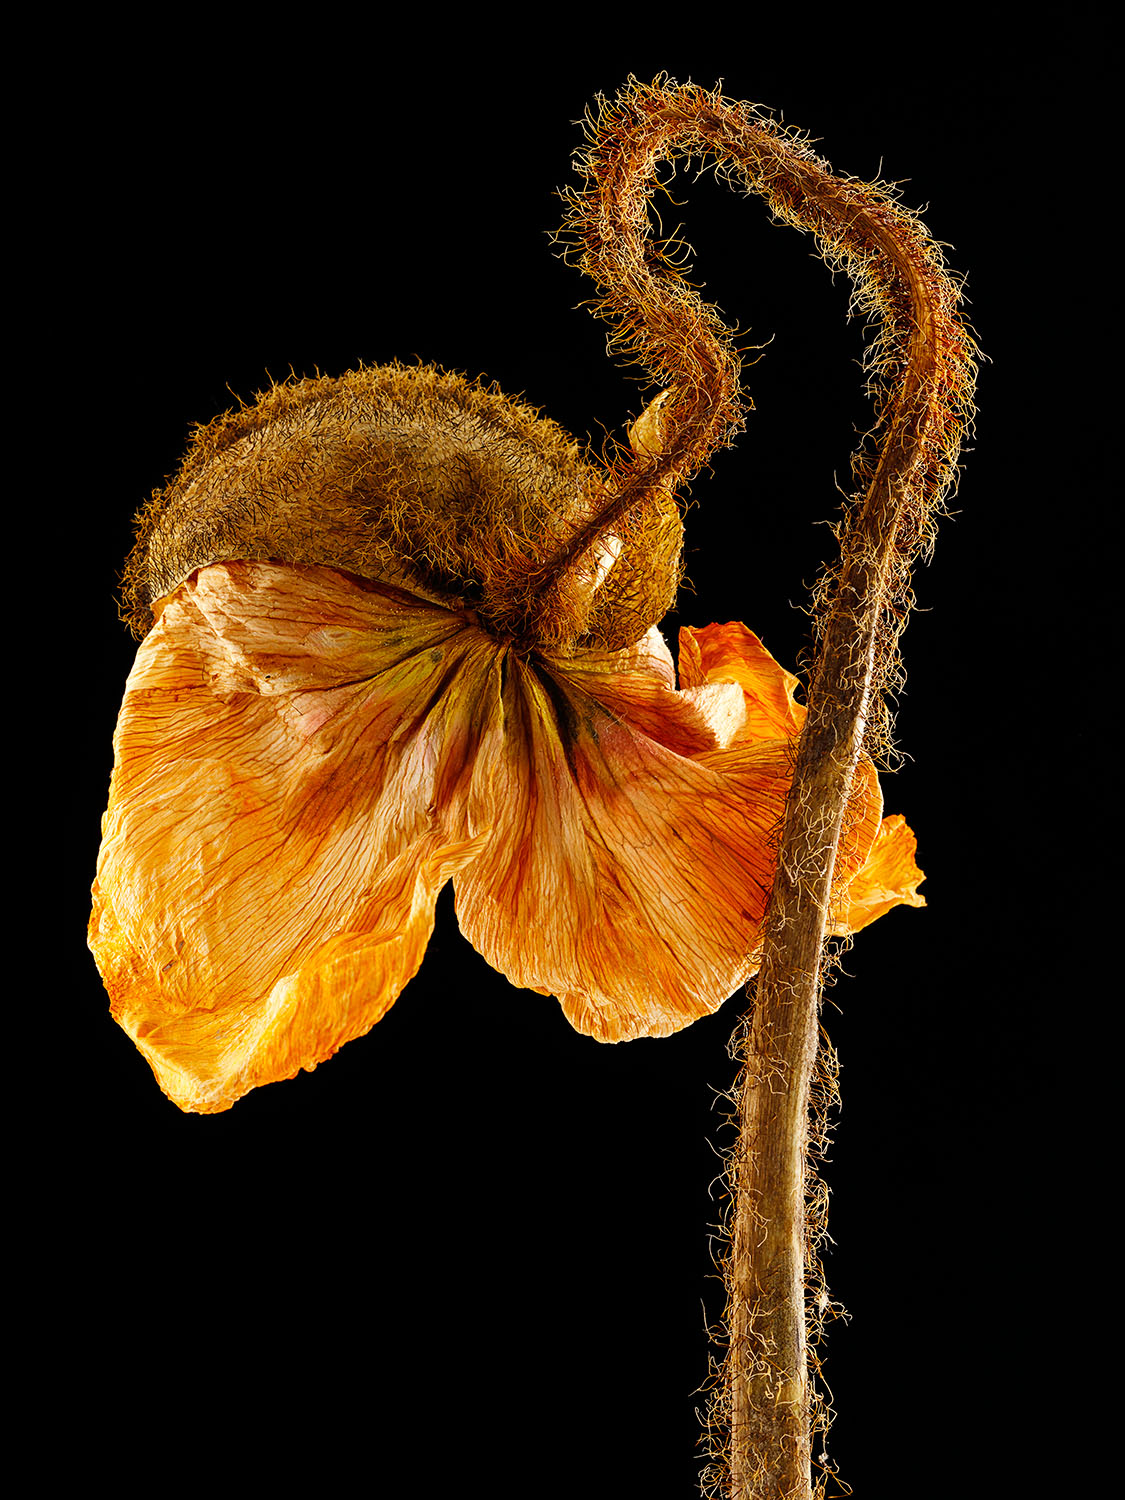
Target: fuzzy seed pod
<point x="418" y="478"/>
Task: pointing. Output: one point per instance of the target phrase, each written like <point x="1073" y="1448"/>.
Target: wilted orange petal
<point x="875" y="867"/>
<point x="632" y="857"/>
<point x="890" y="877"/>
<point x="289" y="796"/>
<point x="622" y="877"/>
<point x="303" y="759"/>
<point x="731" y="653"/>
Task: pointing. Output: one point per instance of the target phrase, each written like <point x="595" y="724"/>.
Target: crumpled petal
<point x="721" y="654"/>
<point x="632" y="857"/>
<point x="304" y="758"/>
<point x="889" y="877"/>
<point x="288" y="798"/>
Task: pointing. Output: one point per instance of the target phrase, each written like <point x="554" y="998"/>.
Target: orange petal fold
<point x="889" y="877"/>
<point x="303" y="759"/>
<point x="287" y="802"/>
<point x="632" y="857"/>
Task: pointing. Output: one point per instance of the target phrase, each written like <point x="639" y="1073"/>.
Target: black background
<point x="473" y="1249"/>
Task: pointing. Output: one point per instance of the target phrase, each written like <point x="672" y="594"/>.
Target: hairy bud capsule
<point x="418" y="478"/>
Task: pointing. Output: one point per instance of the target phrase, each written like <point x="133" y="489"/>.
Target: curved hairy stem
<point x="921" y="370"/>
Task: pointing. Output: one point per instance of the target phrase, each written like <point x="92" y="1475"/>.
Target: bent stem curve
<point x="920" y="370"/>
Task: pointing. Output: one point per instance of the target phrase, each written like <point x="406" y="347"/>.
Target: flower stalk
<point x="920" y="368"/>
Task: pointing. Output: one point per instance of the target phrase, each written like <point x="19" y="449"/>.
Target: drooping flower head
<point x="386" y="645"/>
<point x="398" y="631"/>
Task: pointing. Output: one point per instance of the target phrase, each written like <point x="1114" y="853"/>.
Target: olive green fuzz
<point x="418" y="478"/>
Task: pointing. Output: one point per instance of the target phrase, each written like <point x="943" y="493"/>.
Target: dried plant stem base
<point x="770" y="1406"/>
<point x="768" y="1362"/>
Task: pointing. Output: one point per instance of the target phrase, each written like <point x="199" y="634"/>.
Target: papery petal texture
<point x="633" y="853"/>
<point x="889" y="877"/>
<point x="624" y="876"/>
<point x="304" y="758"/>
<point x="289" y="795"/>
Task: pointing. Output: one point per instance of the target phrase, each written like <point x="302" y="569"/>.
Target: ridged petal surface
<point x="303" y="759"/>
<point x="287" y="801"/>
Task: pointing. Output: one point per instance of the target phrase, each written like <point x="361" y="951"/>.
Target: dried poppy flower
<point x="376" y="659"/>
